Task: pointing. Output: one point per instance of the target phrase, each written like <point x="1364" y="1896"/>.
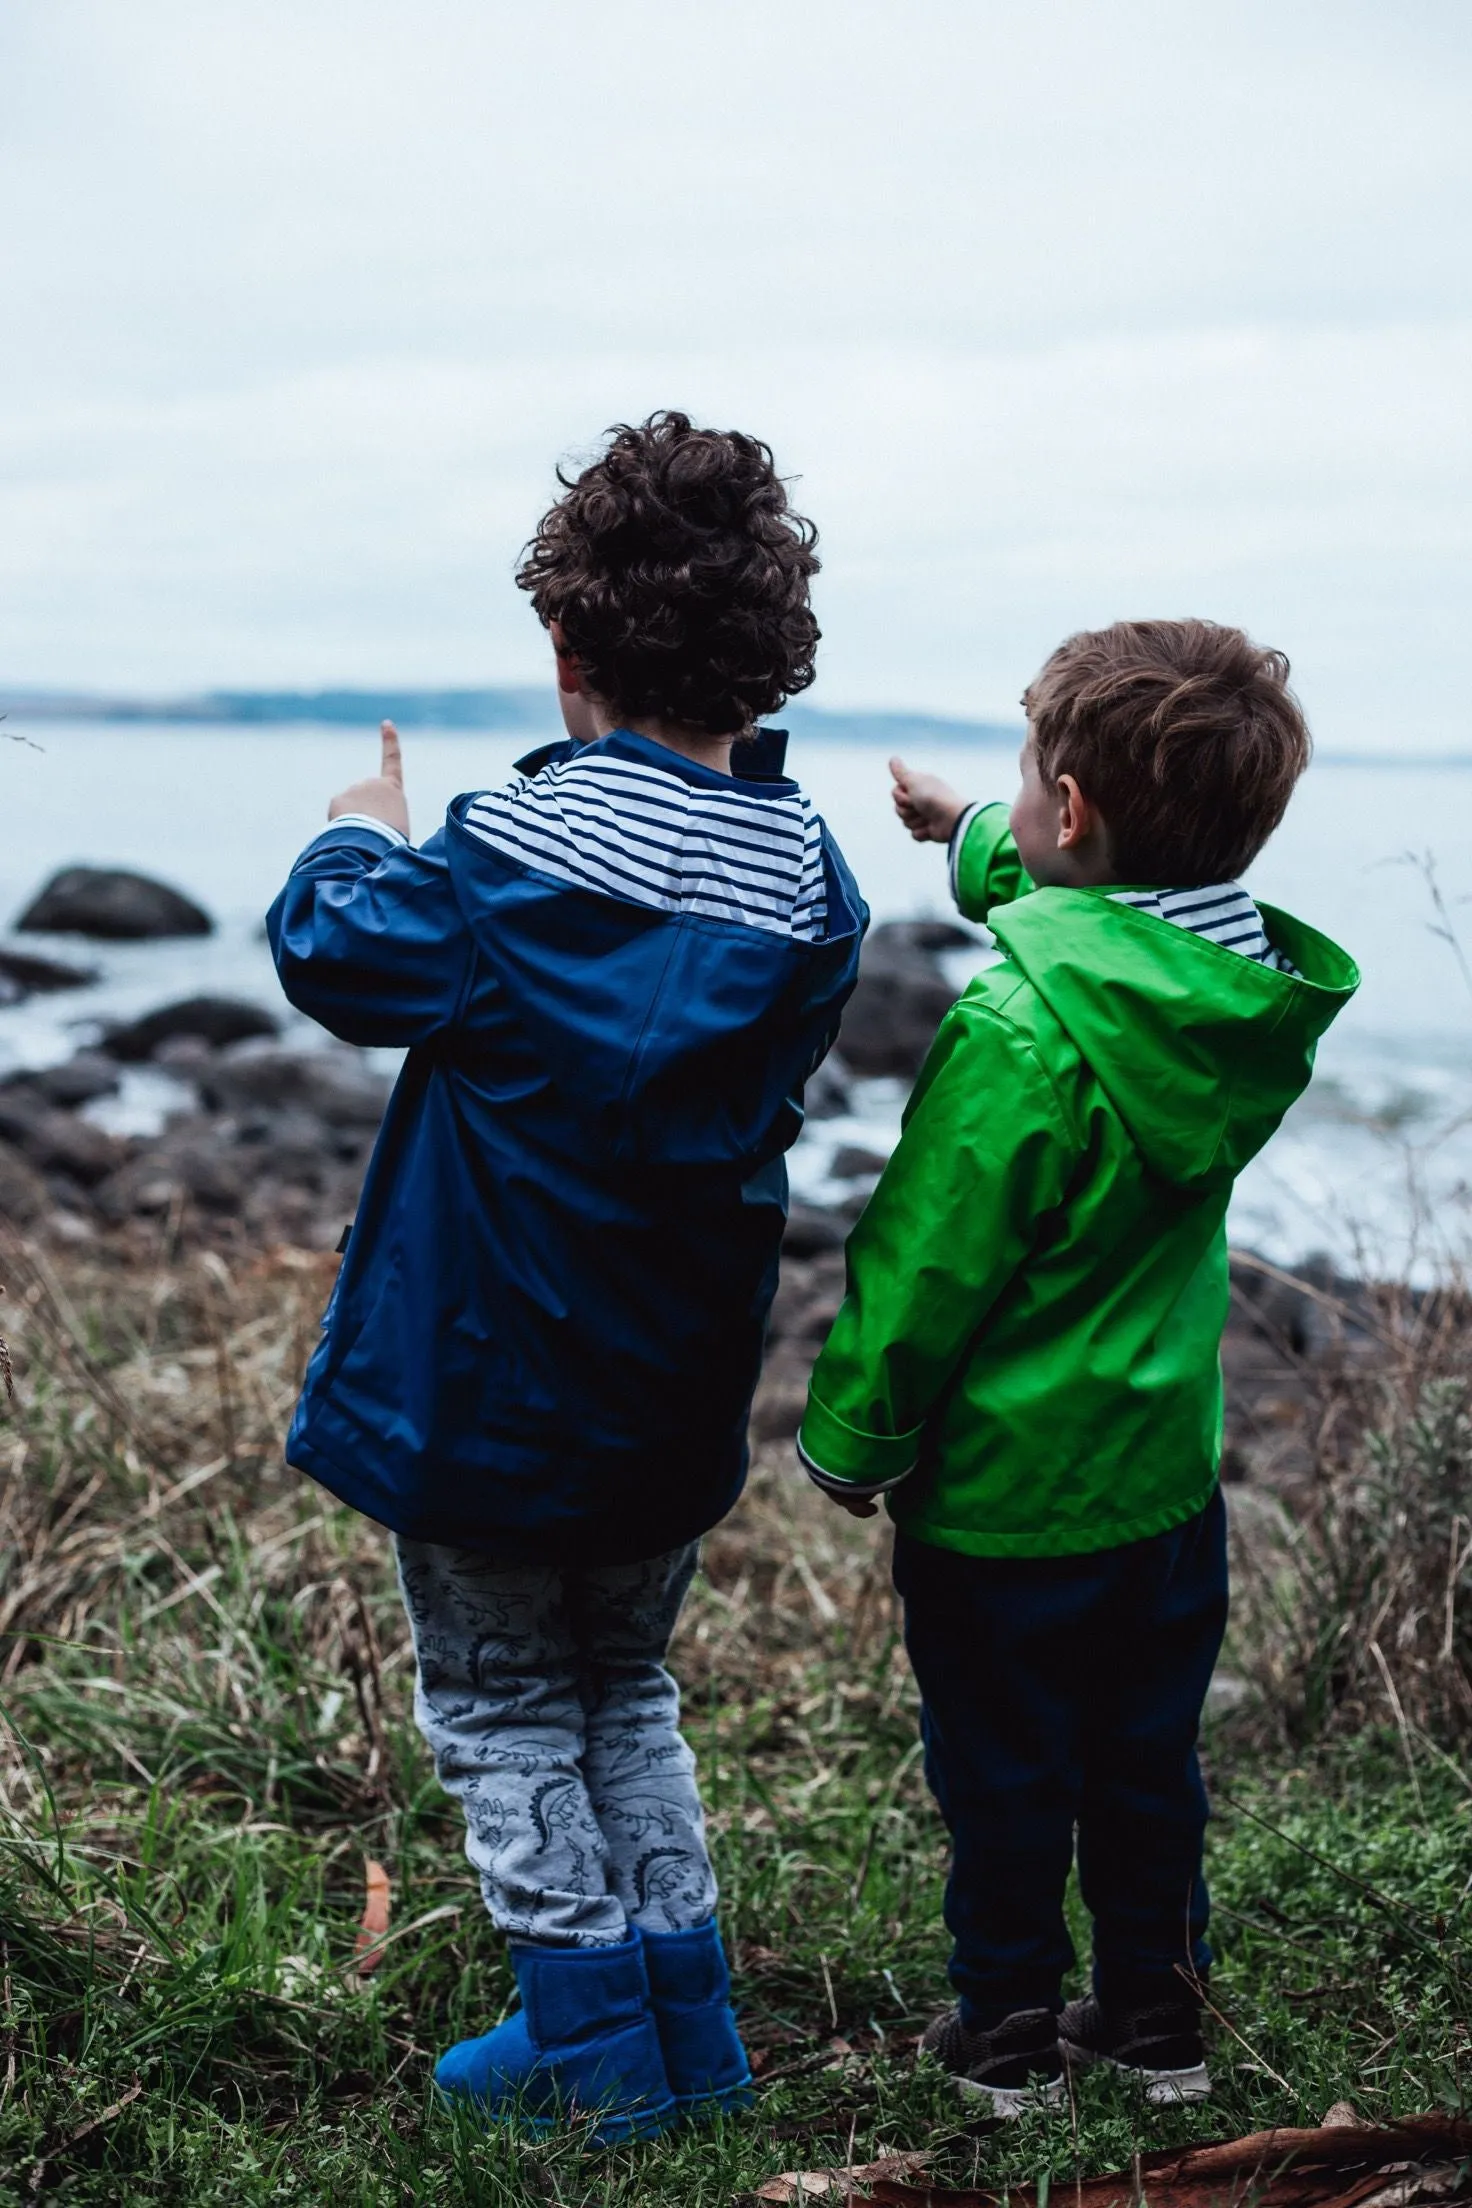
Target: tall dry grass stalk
<point x="1356" y="1609"/>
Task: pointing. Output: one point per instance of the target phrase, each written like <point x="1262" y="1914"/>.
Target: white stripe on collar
<point x="1221" y="911"/>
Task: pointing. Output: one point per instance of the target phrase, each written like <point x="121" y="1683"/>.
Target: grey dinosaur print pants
<point x="544" y="1696"/>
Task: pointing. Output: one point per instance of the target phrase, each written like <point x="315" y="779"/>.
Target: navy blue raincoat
<point x="548" y="1324"/>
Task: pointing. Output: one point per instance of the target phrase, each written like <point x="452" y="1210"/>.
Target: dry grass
<point x="1354" y="1602"/>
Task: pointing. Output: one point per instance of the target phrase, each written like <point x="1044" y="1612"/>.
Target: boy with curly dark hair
<point x="1026" y="1363"/>
<point x="613" y="977"/>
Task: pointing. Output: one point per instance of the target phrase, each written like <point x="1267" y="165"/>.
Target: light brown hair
<point x="1184" y="734"/>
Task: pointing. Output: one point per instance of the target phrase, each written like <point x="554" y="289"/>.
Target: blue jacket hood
<point x="675" y="1038"/>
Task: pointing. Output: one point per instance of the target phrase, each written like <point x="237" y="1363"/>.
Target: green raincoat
<point x="1037" y="1290"/>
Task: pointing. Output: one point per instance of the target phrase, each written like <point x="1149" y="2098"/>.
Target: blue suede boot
<point x="583" y="2039"/>
<point x="690" y="1987"/>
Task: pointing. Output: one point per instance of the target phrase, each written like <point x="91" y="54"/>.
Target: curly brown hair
<point x="680" y="576"/>
<point x="1186" y="736"/>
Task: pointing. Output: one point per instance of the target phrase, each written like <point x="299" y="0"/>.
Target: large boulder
<point x="217" y="1021"/>
<point x="112" y="905"/>
<point x="61" y="1142"/>
<point x="187" y="1163"/>
<point x="336" y="1086"/>
<point x="902" y="996"/>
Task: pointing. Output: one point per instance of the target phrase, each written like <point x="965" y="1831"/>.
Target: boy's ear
<point x="569" y="673"/>
<point x="1078" y="820"/>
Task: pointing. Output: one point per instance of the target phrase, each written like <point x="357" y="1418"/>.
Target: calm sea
<point x="1374" y="1166"/>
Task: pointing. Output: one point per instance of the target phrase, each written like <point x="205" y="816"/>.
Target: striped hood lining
<point x="625" y="829"/>
<point x="1223" y="912"/>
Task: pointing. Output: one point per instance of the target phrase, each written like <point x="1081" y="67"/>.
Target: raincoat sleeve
<point x="368" y="937"/>
<point x="986" y="1153"/>
<point x="984" y="867"/>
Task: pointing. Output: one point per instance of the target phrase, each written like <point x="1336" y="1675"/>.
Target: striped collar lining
<point x="1221" y="911"/>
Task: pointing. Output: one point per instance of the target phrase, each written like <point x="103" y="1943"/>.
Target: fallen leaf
<point x="368" y="1946"/>
<point x="798" y="2185"/>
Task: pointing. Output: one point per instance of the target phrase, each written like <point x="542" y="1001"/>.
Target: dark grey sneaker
<point x="1015" y="2065"/>
<point x="1160" y="2045"/>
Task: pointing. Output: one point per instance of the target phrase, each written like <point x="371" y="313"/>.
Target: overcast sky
<point x="1058" y="310"/>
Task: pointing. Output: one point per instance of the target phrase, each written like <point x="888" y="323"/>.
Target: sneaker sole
<point x="1010" y="2101"/>
<point x="1163" y="2088"/>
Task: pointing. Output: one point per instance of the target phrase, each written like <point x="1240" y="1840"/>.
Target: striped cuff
<point x="953" y="850"/>
<point x="391" y="836"/>
<point x="853" y="1491"/>
<point x="857" y="1463"/>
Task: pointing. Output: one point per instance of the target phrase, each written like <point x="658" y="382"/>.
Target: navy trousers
<point x="1062" y="1695"/>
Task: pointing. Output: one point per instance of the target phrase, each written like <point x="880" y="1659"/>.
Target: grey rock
<point x="901" y="998"/>
<point x="60" y="1142"/>
<point x="336" y="1086"/>
<point x="830" y="1090"/>
<point x="187" y="1163"/>
<point x="215" y="1021"/>
<point x="23" y="1192"/>
<point x="810" y="1231"/>
<point x="21" y="1107"/>
<point x="79" y="1080"/>
<point x="30" y="975"/>
<point x="853" y="1163"/>
<point x="112" y="905"/>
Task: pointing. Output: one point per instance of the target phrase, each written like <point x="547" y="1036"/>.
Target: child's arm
<point x="986" y="1153"/>
<point x="983" y="863"/>
<point x="367" y="935"/>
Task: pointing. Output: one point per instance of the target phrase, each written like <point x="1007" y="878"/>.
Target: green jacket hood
<point x="1199" y="1049"/>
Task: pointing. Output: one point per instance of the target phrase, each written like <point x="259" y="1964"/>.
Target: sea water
<point x="1373" y="1167"/>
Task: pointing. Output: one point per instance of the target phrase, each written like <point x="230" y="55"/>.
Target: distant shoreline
<point x="509" y="708"/>
<point x="524" y="710"/>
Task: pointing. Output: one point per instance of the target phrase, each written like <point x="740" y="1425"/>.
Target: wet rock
<point x="810" y="1231"/>
<point x="902" y="996"/>
<point x="830" y="1090"/>
<point x="337" y="1086"/>
<point x="60" y="1142"/>
<point x="30" y="975"/>
<point x="21" y="1106"/>
<point x="187" y="1164"/>
<point x="854" y="1163"/>
<point x="299" y="1144"/>
<point x="23" y="1193"/>
<point x="78" y="1080"/>
<point x="111" y="905"/>
<point x="214" y="1021"/>
<point x="807" y="1300"/>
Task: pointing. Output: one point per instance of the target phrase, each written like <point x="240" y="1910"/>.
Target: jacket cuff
<point x="357" y="825"/>
<point x="984" y="867"/>
<point x="854" y="1462"/>
<point x="954" y="849"/>
<point x="863" y="1490"/>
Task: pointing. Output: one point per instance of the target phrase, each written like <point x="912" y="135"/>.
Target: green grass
<point x="207" y="1701"/>
<point x="180" y="1897"/>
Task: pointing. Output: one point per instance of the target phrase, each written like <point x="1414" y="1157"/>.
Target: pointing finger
<point x="393" y="758"/>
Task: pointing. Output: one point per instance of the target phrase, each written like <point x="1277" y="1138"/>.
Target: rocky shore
<point x="263" y="1142"/>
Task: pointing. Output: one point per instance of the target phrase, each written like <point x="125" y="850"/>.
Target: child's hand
<point x="381" y="796"/>
<point x="859" y="1507"/>
<point x="928" y="806"/>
